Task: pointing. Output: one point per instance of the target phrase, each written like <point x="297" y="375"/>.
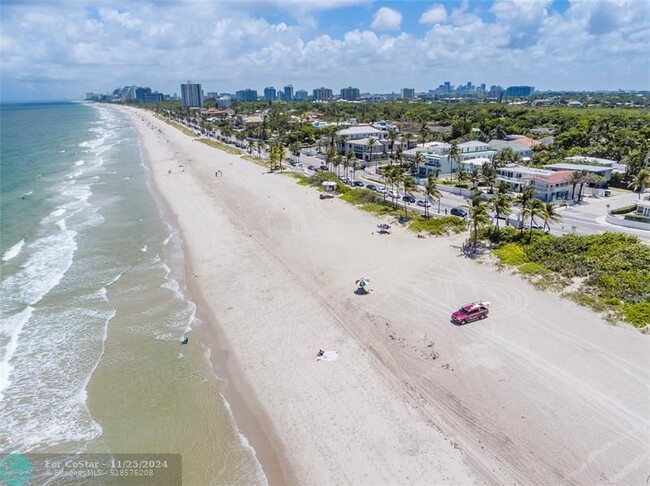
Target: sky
<point x="52" y="49"/>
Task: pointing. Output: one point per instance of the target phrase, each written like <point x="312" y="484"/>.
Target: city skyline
<point x="59" y="50"/>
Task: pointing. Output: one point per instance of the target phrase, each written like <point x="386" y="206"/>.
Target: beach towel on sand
<point x="329" y="356"/>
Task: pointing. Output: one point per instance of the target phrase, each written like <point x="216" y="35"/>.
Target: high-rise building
<point x="270" y="94"/>
<point x="322" y="94"/>
<point x="301" y="95"/>
<point x="519" y="90"/>
<point x="152" y="97"/>
<point x="288" y="92"/>
<point x="140" y="93"/>
<point x="407" y="93"/>
<point x="192" y="95"/>
<point x="350" y="93"/>
<point x="246" y="95"/>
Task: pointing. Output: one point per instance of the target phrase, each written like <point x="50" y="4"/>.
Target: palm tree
<point x="330" y="153"/>
<point x="489" y="175"/>
<point x="419" y="159"/>
<point x="371" y="143"/>
<point x="527" y="195"/>
<point x="462" y="175"/>
<point x="535" y="208"/>
<point x="389" y="174"/>
<point x="499" y="133"/>
<point x="502" y="202"/>
<point x="294" y="149"/>
<point x="424" y="133"/>
<point x="392" y="136"/>
<point x="431" y="192"/>
<point x="407" y="184"/>
<point x="398" y="156"/>
<point x="505" y="156"/>
<point x="260" y="146"/>
<point x="640" y="181"/>
<point x="454" y="156"/>
<point x="356" y="165"/>
<point x="338" y="158"/>
<point x="407" y="138"/>
<point x="346" y="163"/>
<point x="549" y="213"/>
<point x="575" y="178"/>
<point x="475" y="177"/>
<point x="478" y="215"/>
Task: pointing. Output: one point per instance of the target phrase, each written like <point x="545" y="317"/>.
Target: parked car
<point x="359" y="184"/>
<point x="424" y="203"/>
<point x="345" y="180"/>
<point x="323" y="168"/>
<point x="371" y="187"/>
<point x="408" y="198"/>
<point x="311" y="167"/>
<point x="381" y="190"/>
<point x="394" y="194"/>
<point x="460" y="212"/>
<point x="471" y="312"/>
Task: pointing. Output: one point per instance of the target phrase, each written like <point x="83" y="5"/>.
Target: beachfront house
<point x="525" y="152"/>
<point x="615" y="166"/>
<point x="357" y="139"/>
<point x="595" y="170"/>
<point x="549" y="185"/>
<point x="436" y="156"/>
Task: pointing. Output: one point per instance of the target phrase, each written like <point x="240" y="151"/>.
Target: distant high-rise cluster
<point x="192" y="94"/>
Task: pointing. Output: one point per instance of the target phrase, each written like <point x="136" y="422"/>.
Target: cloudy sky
<point x="51" y="49"/>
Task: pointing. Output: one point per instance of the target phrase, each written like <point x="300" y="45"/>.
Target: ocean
<point x="94" y="303"/>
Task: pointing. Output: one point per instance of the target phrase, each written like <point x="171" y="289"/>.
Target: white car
<point x="423" y="202"/>
<point x="381" y="190"/>
<point x="395" y="195"/>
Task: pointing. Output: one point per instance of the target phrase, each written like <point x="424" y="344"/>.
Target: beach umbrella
<point x="362" y="282"/>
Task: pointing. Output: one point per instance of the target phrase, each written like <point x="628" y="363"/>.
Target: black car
<point x="358" y="184"/>
<point x="461" y="212"/>
<point x="408" y="198"/>
<point x="323" y="168"/>
<point x="372" y="187"/>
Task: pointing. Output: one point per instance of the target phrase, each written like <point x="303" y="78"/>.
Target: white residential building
<point x="581" y="159"/>
<point x="436" y="156"/>
<point x="357" y="139"/>
<point x="549" y="185"/>
<point x="522" y="150"/>
<point x="599" y="170"/>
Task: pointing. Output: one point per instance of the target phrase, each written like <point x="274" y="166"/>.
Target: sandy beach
<point x="542" y="392"/>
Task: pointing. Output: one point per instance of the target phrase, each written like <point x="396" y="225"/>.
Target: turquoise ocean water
<point x="86" y="255"/>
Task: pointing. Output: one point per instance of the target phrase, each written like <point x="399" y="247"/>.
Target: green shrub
<point x="361" y="196"/>
<point x="532" y="268"/>
<point x="637" y="217"/>
<point x="623" y="210"/>
<point x="438" y="226"/>
<point x="637" y="314"/>
<point x="511" y="254"/>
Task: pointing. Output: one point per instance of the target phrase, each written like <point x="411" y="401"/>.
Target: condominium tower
<point x="192" y="95"/>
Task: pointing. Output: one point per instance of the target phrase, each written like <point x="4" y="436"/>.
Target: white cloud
<point x="387" y="19"/>
<point x="65" y="49"/>
<point x="436" y="14"/>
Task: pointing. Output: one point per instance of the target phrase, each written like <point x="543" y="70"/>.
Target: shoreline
<point x="238" y="402"/>
<point x="412" y="399"/>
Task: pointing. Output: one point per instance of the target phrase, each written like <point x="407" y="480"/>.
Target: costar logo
<point x="15" y="470"/>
